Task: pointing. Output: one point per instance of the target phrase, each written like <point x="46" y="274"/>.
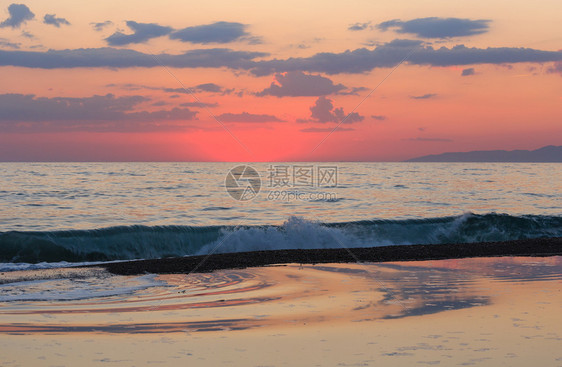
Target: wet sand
<point x="473" y="311"/>
<point x="207" y="263"/>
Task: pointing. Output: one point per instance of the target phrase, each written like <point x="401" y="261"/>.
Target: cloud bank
<point x="19" y="112"/>
<point x="108" y="57"/>
<point x="390" y="54"/>
<point x="361" y="60"/>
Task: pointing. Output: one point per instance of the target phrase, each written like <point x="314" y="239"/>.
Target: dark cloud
<point x="19" y="14"/>
<point x="297" y="83"/>
<point x="442" y="140"/>
<point x="324" y="111"/>
<point x="142" y="33"/>
<point x="424" y="96"/>
<point x="53" y="20"/>
<point x="378" y="117"/>
<point x="20" y="112"/>
<point x="434" y="27"/>
<point x="358" y="26"/>
<point x="101" y="25"/>
<point x="247" y="117"/>
<point x="122" y="58"/>
<point x="468" y="72"/>
<point x="219" y="32"/>
<point x="325" y="129"/>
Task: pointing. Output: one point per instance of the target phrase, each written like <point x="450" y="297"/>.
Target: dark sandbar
<point x="208" y="263"/>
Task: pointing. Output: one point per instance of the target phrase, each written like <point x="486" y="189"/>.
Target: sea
<point x="61" y="214"/>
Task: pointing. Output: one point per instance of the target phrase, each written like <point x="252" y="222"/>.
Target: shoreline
<point x="540" y="247"/>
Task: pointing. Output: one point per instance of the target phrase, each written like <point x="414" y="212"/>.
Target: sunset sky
<point x="269" y="81"/>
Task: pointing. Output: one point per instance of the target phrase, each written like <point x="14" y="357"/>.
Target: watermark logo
<point x="243" y="183"/>
<point x="302" y="176"/>
<point x="298" y="182"/>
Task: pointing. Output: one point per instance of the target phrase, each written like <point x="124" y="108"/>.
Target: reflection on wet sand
<point x="401" y="310"/>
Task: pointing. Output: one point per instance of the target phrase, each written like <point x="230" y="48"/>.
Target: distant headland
<point x="549" y="153"/>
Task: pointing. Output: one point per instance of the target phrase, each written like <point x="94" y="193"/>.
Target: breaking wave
<point x="144" y="242"/>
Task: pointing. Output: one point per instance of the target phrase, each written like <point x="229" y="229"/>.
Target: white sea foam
<point x="295" y="233"/>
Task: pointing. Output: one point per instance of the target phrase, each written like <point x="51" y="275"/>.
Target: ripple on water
<point x="79" y="301"/>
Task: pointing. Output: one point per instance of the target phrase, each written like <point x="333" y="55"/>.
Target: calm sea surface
<point x="64" y="196"/>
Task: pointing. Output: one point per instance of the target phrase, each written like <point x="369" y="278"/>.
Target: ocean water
<point x="58" y="213"/>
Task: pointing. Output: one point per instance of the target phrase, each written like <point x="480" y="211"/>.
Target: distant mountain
<point x="549" y="153"/>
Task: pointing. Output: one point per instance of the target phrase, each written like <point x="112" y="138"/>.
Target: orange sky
<point x="71" y="92"/>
